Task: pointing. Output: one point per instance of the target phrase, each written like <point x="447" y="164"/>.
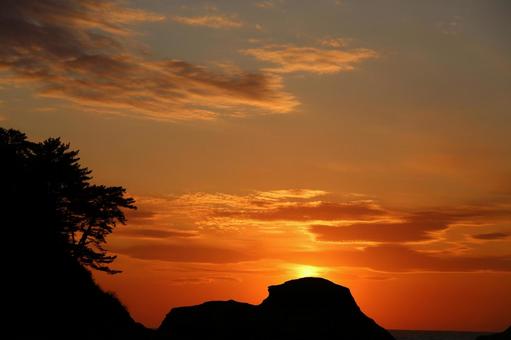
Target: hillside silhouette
<point x="307" y="308"/>
<point x="55" y="224"/>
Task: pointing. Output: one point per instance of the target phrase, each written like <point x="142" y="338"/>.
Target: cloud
<point x="315" y="227"/>
<point x="264" y="4"/>
<point x="291" y="58"/>
<point x="411" y="227"/>
<point x="213" y="21"/>
<point x="290" y="194"/>
<point x="310" y="212"/>
<point x="141" y="215"/>
<point x="300" y="205"/>
<point x="334" y="42"/>
<point x="491" y="236"/>
<point x="398" y="258"/>
<point x="201" y="280"/>
<point x="328" y="217"/>
<point x="153" y="233"/>
<point x="78" y="51"/>
<point x="417" y="227"/>
<point x="188" y="252"/>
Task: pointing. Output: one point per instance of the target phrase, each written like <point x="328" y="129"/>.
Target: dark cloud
<point x="398" y="258"/>
<point x="415" y="228"/>
<point x="309" y="212"/>
<point x="152" y="233"/>
<point x="140" y="216"/>
<point x="491" y="236"/>
<point x="76" y="50"/>
<point x="186" y="253"/>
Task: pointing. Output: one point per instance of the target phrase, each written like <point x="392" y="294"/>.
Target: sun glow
<point x="306" y="271"/>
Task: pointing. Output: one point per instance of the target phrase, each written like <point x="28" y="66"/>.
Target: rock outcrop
<point x="221" y="319"/>
<point x="307" y="308"/>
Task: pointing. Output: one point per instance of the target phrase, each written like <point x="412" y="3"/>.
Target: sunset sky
<point x="368" y="142"/>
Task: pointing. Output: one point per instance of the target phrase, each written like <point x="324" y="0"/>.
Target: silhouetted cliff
<point x="307" y="308"/>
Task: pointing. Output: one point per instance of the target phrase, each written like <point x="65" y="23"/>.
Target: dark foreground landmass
<point x="307" y="308"/>
<point x="66" y="303"/>
<point x="505" y="335"/>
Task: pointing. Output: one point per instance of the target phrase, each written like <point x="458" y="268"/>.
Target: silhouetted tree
<point x="48" y="194"/>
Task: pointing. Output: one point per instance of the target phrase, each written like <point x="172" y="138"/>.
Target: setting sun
<point x="307" y="271"/>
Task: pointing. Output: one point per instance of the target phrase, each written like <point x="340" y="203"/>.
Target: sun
<point x="306" y="271"/>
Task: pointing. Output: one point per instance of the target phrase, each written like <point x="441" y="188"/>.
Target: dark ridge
<point x="307" y="308"/>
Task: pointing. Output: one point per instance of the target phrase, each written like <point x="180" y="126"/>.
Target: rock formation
<point x="307" y="308"/>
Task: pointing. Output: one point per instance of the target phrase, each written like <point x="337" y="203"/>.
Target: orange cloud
<point x="277" y="225"/>
<point x="264" y="4"/>
<point x="398" y="258"/>
<point x="213" y="21"/>
<point x="290" y="193"/>
<point x="291" y="58"/>
<point x="76" y="51"/>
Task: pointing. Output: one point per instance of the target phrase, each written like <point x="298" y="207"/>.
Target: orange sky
<point x="442" y="268"/>
<point x="365" y="142"/>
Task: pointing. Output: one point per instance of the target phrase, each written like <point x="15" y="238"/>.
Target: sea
<point x="434" y="335"/>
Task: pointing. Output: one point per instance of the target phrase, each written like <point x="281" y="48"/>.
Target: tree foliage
<point x="51" y="202"/>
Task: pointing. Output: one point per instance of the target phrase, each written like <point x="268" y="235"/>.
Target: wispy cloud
<point x="77" y="51"/>
<point x="265" y="4"/>
<point x="416" y="227"/>
<point x="334" y="42"/>
<point x="213" y="21"/>
<point x="292" y="58"/>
